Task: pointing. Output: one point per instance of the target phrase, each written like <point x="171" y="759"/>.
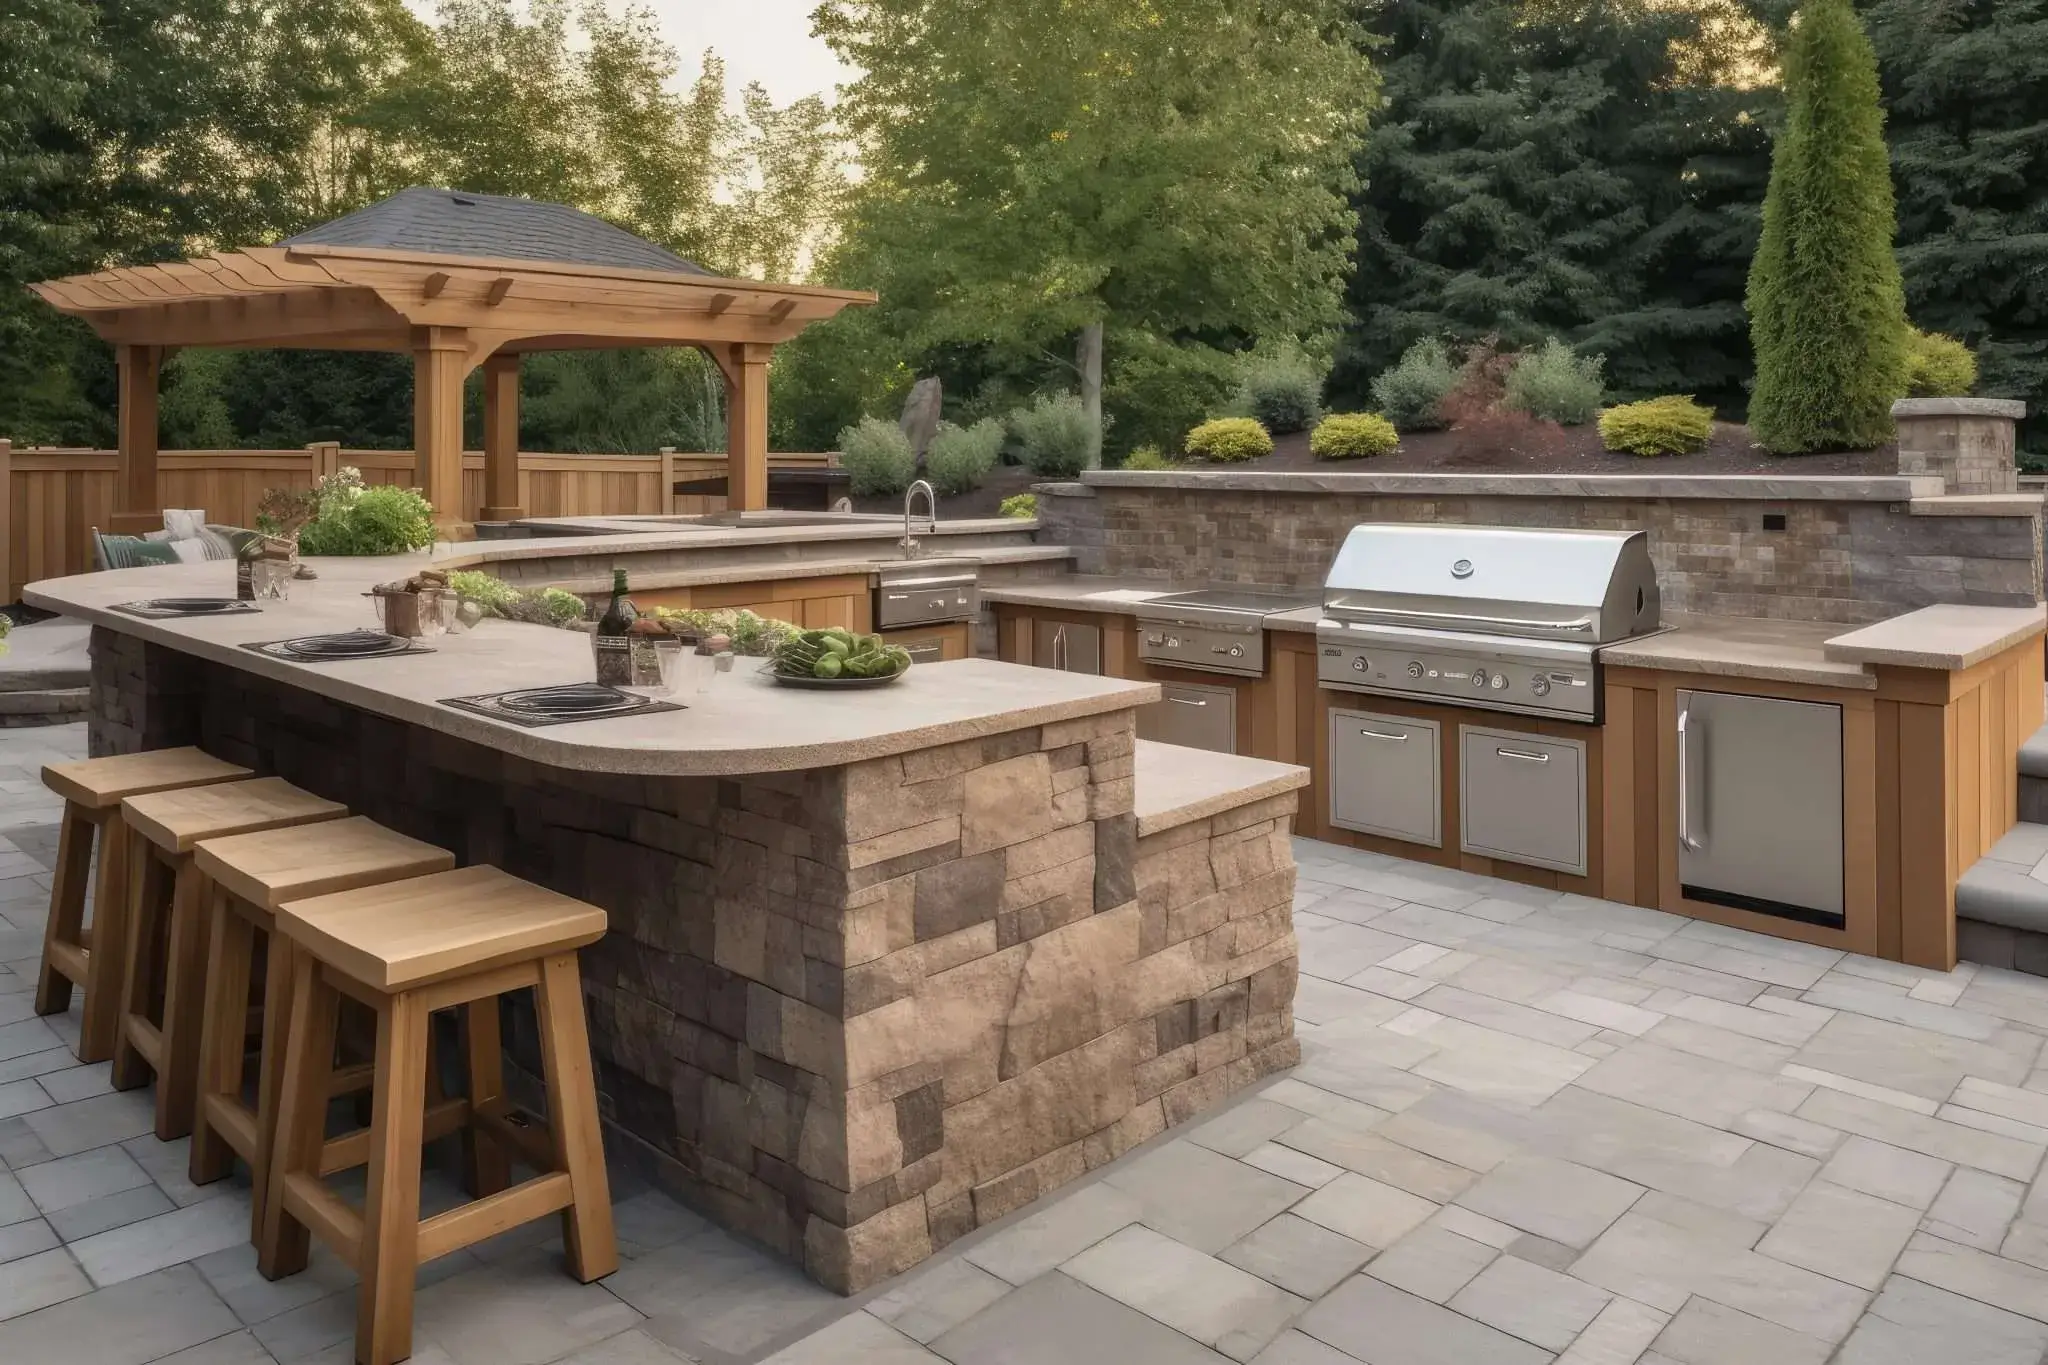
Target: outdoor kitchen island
<point x="882" y="966"/>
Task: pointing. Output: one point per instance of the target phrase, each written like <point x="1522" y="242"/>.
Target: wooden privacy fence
<point x="54" y="497"/>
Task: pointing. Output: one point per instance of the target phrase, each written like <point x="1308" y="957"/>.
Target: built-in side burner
<point x="534" y="707"/>
<point x="328" y="649"/>
<point x="1214" y="630"/>
<point x="169" y="608"/>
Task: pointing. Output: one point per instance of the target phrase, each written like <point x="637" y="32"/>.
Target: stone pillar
<point x="1968" y="442"/>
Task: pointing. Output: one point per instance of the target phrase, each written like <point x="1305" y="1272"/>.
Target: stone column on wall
<point x="1967" y="442"/>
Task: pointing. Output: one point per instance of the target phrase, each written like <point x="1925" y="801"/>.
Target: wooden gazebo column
<point x="137" y="506"/>
<point x="745" y="364"/>
<point x="501" y="440"/>
<point x="440" y="360"/>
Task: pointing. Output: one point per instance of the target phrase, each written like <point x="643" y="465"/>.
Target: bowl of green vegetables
<point x="834" y="658"/>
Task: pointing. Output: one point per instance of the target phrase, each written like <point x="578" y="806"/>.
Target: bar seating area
<point x="241" y="919"/>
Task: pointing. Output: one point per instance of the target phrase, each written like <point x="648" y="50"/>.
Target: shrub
<point x="1671" y="425"/>
<point x="381" y="520"/>
<point x="959" y="458"/>
<point x="1938" y="366"/>
<point x="1156" y="390"/>
<point x="1058" y="439"/>
<point x="1230" y="440"/>
<point x="1021" y="505"/>
<point x="1148" y="458"/>
<point x="1555" y="383"/>
<point x="1827" y="312"/>
<point x="1411" y="394"/>
<point x="492" y="594"/>
<point x="1352" y="436"/>
<point x="1284" y="392"/>
<point x="878" y="456"/>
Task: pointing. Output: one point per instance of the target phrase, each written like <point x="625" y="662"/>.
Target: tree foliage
<point x="1827" y="311"/>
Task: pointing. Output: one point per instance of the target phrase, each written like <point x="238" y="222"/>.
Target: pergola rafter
<point x="453" y="309"/>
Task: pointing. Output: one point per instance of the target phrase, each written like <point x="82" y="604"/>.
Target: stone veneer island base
<point x="856" y="1010"/>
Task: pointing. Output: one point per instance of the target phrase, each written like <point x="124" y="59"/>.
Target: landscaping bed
<point x="1573" y="450"/>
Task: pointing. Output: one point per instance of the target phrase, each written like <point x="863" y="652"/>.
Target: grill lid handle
<point x="1411" y="613"/>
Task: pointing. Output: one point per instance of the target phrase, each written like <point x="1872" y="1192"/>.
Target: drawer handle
<point x="1382" y="734"/>
<point x="1186" y="701"/>
<point x="899" y="597"/>
<point x="1524" y="755"/>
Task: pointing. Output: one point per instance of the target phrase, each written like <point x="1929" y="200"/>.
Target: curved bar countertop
<point x="743" y="724"/>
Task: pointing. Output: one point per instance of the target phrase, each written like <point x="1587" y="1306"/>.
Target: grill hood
<point x="1587" y="587"/>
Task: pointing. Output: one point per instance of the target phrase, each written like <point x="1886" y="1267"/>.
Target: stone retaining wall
<point x="1790" y="555"/>
<point x="854" y="1012"/>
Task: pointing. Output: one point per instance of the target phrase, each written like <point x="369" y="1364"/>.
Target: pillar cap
<point x="1959" y="407"/>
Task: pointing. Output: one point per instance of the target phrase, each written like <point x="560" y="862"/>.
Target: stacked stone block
<point x="1968" y="443"/>
<point x="852" y="1012"/>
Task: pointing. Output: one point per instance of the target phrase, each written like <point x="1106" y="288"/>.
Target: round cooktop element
<point x="568" y="700"/>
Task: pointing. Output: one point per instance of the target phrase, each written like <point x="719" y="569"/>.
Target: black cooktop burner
<point x="534" y="707"/>
<point x="327" y="649"/>
<point x="167" y="608"/>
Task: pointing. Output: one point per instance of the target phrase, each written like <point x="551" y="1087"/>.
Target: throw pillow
<point x="132" y="552"/>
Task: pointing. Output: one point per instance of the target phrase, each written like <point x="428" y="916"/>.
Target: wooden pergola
<point x="459" y="280"/>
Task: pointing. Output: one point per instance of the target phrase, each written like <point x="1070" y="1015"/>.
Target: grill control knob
<point x="1500" y="680"/>
<point x="1173" y="642"/>
<point x="1540" y="686"/>
<point x="1479" y="677"/>
<point x="1236" y="651"/>
<point x="1358" y="664"/>
<point x="1415" y="669"/>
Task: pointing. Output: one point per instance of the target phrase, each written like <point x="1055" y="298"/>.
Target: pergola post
<point x="501" y="440"/>
<point x="746" y="426"/>
<point x="440" y="360"/>
<point x="137" y="507"/>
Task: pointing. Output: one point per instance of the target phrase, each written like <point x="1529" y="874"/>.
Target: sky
<point x="761" y="40"/>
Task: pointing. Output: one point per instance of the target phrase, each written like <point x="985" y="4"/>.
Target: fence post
<point x="7" y="520"/>
<point x="323" y="457"/>
<point x="665" y="492"/>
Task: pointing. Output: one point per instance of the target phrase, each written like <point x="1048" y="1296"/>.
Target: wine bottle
<point x="619" y="613"/>
<point x="614" y="654"/>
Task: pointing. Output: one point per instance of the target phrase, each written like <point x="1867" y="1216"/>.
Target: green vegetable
<point x="828" y="666"/>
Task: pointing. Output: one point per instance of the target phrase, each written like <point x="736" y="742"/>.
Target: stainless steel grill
<point x="1213" y="630"/>
<point x="1489" y="617"/>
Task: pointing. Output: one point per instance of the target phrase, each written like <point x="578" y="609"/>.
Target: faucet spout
<point x="931" y="503"/>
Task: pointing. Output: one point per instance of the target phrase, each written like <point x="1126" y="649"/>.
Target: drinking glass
<point x="656" y="664"/>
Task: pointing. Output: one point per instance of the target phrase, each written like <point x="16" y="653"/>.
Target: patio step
<point x="2033" y="766"/>
<point x="2002" y="903"/>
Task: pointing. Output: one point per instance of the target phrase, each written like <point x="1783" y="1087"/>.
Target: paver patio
<point x="1527" y="1127"/>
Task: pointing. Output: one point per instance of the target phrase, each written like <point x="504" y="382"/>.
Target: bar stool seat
<point x="169" y="907"/>
<point x="253" y="874"/>
<point x="406" y="949"/>
<point x="93" y="959"/>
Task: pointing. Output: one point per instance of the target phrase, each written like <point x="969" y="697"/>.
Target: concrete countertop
<point x="1176" y="785"/>
<point x="743" y="724"/>
<point x="1740" y="647"/>
<point x="768" y="571"/>
<point x="1944" y="637"/>
<point x="1123" y="597"/>
<point x="478" y="554"/>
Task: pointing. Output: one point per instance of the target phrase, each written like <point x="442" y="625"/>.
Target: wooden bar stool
<point x="406" y="949"/>
<point x="253" y="874"/>
<point x="93" y="959"/>
<point x="167" y="927"/>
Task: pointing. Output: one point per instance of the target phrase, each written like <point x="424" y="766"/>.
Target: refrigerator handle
<point x="1685" y="781"/>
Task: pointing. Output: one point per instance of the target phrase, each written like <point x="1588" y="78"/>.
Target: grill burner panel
<point x="1213" y="630"/>
<point x="175" y="608"/>
<point x="327" y="649"/>
<point x="535" y="707"/>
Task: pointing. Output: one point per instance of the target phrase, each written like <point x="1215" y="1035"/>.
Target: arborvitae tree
<point x="1541" y="169"/>
<point x="1827" y="311"/>
<point x="1966" y="92"/>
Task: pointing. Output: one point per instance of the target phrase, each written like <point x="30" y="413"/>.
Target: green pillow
<point x="132" y="552"/>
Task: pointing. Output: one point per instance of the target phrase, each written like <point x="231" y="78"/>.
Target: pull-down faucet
<point x="931" y="503"/>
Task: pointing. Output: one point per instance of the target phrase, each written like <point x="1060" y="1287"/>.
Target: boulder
<point x="921" y="413"/>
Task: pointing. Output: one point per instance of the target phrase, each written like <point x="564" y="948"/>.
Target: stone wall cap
<point x="1789" y="486"/>
<point x="1948" y="637"/>
<point x="1959" y="407"/>
<point x="1978" y="505"/>
<point x="1177" y="785"/>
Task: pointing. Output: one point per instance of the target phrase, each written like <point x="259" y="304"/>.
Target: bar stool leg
<point x="139" y="973"/>
<point x="108" y="961"/>
<point x="486" y="1166"/>
<point x="391" y="1210"/>
<point x="280" y="964"/>
<point x="224" y="997"/>
<point x="285" y="1243"/>
<point x="587" y="1231"/>
<point x="66" y="925"/>
<point x="177" y="1081"/>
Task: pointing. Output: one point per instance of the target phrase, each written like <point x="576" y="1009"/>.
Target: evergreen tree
<point x="1966" y="92"/>
<point x="1827" y="311"/>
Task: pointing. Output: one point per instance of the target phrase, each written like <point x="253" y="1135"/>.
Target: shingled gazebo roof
<point x="459" y="223"/>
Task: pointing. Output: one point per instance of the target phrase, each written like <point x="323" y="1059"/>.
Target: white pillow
<point x="184" y="523"/>
<point x="189" y="551"/>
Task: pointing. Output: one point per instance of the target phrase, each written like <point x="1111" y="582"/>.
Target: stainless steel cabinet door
<point x="1760" y="804"/>
<point x="1193" y="715"/>
<point x="1075" y="649"/>
<point x="1523" y="798"/>
<point x="1386" y="776"/>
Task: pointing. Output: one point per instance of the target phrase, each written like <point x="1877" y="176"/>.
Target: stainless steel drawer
<point x="1193" y="715"/>
<point x="1070" y="648"/>
<point x="1386" y="776"/>
<point x="1523" y="798"/>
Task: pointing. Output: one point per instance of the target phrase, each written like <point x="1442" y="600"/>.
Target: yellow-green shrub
<point x="1671" y="425"/>
<point x="1352" y="436"/>
<point x="1230" y="440"/>
<point x="1938" y="366"/>
<point x="1148" y="458"/>
<point x="1019" y="505"/>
